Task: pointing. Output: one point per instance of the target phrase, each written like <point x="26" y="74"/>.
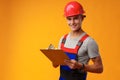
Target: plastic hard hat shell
<point x="73" y="8"/>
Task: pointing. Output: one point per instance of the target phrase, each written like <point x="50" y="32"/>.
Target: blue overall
<point x="72" y="74"/>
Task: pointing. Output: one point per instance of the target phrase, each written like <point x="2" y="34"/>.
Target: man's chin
<point x="74" y="30"/>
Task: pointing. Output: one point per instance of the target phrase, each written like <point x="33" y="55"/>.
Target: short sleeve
<point x="93" y="50"/>
<point x="59" y="45"/>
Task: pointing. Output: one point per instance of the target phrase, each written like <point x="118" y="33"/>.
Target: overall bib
<point x="72" y="74"/>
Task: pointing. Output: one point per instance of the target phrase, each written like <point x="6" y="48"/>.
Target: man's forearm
<point x="93" y="68"/>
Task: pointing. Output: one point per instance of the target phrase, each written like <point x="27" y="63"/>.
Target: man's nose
<point x="72" y="21"/>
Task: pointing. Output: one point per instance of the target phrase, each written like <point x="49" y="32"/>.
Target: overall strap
<point x="75" y="50"/>
<point x="80" y="42"/>
<point x="63" y="41"/>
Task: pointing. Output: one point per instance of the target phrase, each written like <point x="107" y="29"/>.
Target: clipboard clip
<point x="51" y="46"/>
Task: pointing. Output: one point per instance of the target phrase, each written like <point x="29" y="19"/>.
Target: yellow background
<point x="28" y="25"/>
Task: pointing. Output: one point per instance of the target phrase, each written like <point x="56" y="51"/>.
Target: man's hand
<point x="73" y="64"/>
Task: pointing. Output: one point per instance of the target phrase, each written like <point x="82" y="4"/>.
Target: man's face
<point x="74" y="22"/>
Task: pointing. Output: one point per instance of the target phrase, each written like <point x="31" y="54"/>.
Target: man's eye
<point x="75" y="17"/>
<point x="68" y="18"/>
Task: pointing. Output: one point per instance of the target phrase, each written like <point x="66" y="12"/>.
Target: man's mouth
<point x="73" y="26"/>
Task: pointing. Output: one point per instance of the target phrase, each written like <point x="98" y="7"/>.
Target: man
<point x="79" y="47"/>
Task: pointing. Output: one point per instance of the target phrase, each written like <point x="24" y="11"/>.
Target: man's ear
<point x="83" y="16"/>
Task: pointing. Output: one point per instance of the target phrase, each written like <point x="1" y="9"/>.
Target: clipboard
<point x="56" y="56"/>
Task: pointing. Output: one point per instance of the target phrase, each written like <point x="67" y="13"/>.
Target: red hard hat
<point x="73" y="8"/>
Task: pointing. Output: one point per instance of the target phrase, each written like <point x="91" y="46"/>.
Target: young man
<point x="79" y="46"/>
